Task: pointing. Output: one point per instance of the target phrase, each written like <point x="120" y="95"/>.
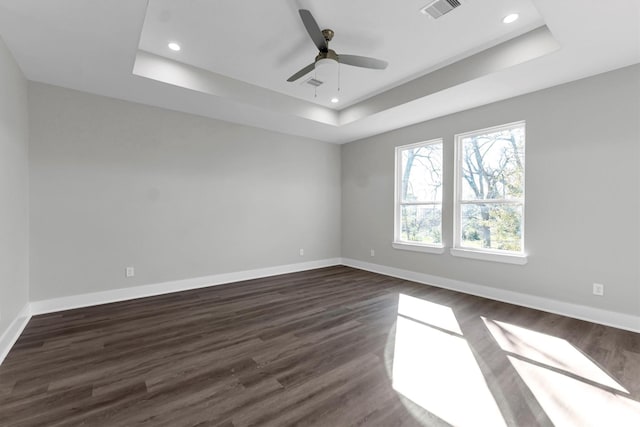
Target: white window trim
<point x="401" y="244"/>
<point x="418" y="247"/>
<point x="495" y="256"/>
<point x="458" y="250"/>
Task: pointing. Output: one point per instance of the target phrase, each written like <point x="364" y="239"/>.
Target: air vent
<point x="437" y="8"/>
<point x="312" y="82"/>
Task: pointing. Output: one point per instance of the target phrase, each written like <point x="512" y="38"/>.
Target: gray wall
<point x="582" y="194"/>
<point x="177" y="196"/>
<point x="116" y="184"/>
<point x="14" y="188"/>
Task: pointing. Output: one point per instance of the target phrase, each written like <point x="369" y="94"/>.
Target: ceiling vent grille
<point x="313" y="82"/>
<point x="437" y="8"/>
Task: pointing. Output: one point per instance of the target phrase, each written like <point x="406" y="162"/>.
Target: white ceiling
<point x="237" y="55"/>
<point x="264" y="42"/>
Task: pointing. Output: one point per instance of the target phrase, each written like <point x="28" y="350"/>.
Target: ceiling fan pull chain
<point x="339" y="77"/>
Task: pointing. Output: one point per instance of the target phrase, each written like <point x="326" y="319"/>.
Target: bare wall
<point x="582" y="194"/>
<point x="14" y="189"/>
<point x="116" y="184"/>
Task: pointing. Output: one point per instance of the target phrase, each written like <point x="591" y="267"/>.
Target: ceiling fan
<point x="321" y="39"/>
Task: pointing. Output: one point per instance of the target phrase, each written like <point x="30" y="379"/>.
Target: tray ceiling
<point x="237" y="55"/>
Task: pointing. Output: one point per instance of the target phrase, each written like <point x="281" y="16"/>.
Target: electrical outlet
<point x="373" y="252"/>
<point x="129" y="272"/>
<point x="301" y="252"/>
<point x="598" y="289"/>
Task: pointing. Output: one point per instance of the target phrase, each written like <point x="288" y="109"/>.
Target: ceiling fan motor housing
<point x="329" y="54"/>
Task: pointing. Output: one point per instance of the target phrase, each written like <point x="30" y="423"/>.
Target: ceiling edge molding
<point x="158" y="68"/>
<point x="526" y="47"/>
<point x="529" y="46"/>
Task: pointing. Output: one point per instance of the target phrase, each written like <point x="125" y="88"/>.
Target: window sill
<point x="490" y="256"/>
<point x="418" y="248"/>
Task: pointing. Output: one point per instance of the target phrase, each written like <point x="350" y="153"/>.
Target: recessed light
<point x="512" y="17"/>
<point x="174" y="46"/>
<point x="335" y="100"/>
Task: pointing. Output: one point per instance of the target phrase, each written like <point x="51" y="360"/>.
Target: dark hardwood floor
<point x="328" y="347"/>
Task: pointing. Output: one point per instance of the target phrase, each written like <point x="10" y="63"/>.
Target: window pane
<point x="422" y="174"/>
<point x="421" y="224"/>
<point x="493" y="165"/>
<point x="491" y="226"/>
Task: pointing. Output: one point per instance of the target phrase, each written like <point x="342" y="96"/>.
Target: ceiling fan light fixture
<point x="174" y="46"/>
<point x="326" y="70"/>
<point x="512" y="17"/>
<point x="326" y="63"/>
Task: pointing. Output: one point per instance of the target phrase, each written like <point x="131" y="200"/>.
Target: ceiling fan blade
<point x="314" y="31"/>
<point x="302" y="72"/>
<point x="362" y="61"/>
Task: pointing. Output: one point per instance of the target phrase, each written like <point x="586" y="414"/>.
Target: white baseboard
<point x="582" y="312"/>
<point x="123" y="294"/>
<point x="11" y="335"/>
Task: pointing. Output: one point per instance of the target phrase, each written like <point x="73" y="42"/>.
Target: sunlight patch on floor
<point x="548" y="350"/>
<point x="428" y="312"/>
<point x="569" y="402"/>
<point x="437" y="370"/>
<point x="571" y="388"/>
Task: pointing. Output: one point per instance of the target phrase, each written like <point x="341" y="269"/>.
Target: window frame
<point x="509" y="257"/>
<point x="437" y="248"/>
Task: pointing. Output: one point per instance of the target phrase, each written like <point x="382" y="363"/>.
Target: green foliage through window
<point x="491" y="189"/>
<point x="420" y="193"/>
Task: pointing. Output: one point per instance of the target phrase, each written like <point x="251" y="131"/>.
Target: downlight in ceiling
<point x="437" y="8"/>
<point x="512" y="17"/>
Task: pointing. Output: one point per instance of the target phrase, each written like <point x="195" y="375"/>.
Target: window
<point x="418" y="210"/>
<point x="489" y="206"/>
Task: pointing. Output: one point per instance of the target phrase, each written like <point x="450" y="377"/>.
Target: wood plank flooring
<point x="329" y="347"/>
